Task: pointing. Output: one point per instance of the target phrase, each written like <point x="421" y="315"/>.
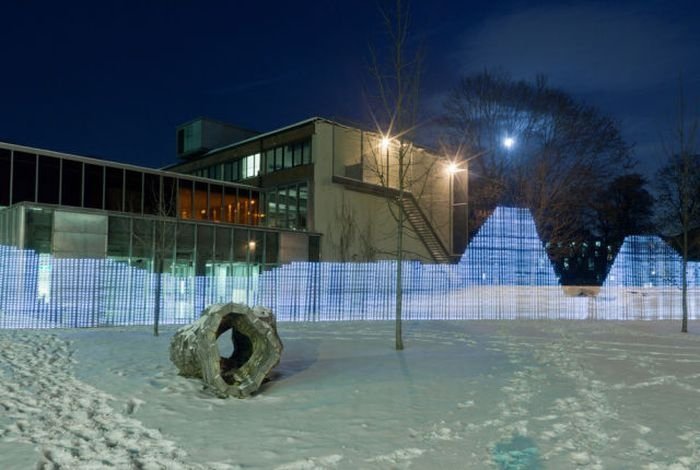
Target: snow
<point x="463" y="394"/>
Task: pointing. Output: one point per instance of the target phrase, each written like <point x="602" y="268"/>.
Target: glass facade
<point x="46" y="179"/>
<point x="189" y="226"/>
<point x="271" y="160"/>
<point x="287" y="206"/>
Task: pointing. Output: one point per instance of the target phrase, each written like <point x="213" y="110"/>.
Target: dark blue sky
<point x="114" y="79"/>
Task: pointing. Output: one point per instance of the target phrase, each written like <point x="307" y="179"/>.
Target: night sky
<point x="114" y="79"/>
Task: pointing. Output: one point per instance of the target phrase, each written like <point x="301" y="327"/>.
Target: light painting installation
<point x="507" y="251"/>
<point x="644" y="282"/>
<point x="504" y="274"/>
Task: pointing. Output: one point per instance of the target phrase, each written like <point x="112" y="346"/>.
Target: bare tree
<point x="396" y="73"/>
<point x="346" y="226"/>
<point x="624" y="208"/>
<point x="160" y="239"/>
<point x="561" y="154"/>
<point x="678" y="186"/>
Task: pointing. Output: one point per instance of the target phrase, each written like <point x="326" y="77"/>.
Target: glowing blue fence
<point x="503" y="275"/>
<point x="508" y="251"/>
<point x="645" y="282"/>
<point x="366" y="291"/>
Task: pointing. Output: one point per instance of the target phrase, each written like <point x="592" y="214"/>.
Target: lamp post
<point x="384" y="144"/>
<point x="453" y="168"/>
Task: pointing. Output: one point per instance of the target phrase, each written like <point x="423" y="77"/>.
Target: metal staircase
<point x="414" y="214"/>
<point x="424" y="230"/>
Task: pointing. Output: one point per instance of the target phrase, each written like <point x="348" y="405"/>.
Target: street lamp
<point x="458" y="166"/>
<point x="384" y="144"/>
<point x="452" y="169"/>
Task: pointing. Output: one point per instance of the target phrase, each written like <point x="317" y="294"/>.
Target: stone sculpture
<point x="257" y="349"/>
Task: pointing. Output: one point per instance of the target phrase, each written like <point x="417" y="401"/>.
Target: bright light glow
<point x="508" y="142"/>
<point x="251" y="245"/>
<point x="385" y="143"/>
<point x="452" y="168"/>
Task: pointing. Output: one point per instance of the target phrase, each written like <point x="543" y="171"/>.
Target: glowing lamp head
<point x="508" y="142"/>
<point x="384" y="144"/>
<point x="452" y="168"/>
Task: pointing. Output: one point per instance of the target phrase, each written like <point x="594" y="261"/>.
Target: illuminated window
<point x="250" y="166"/>
<point x="185" y="199"/>
<point x="200" y="200"/>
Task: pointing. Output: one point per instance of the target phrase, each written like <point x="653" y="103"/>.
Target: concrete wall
<point x="359" y="226"/>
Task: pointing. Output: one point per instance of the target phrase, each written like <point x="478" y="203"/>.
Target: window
<point x="169" y="201"/>
<point x="23" y="177"/>
<point x="49" y="170"/>
<point x="269" y="161"/>
<point x="287" y="207"/>
<point x="72" y="183"/>
<point x="200" y="200"/>
<point x="214" y="172"/>
<point x="271" y="214"/>
<point x="223" y="244"/>
<point x="133" y="191"/>
<point x="114" y="189"/>
<point x="288" y="156"/>
<point x="185" y="199"/>
<point x="297" y="155"/>
<point x="231" y="171"/>
<point x="250" y="166"/>
<point x="94" y="185"/>
<point x="271" y="247"/>
<point x="5" y="165"/>
<point x="142" y="239"/>
<point x="279" y="158"/>
<point x="230" y="205"/>
<point x="152" y="203"/>
<point x="205" y="248"/>
<point x="38" y="230"/>
<point x="256" y="247"/>
<point x="303" y="201"/>
<point x="306" y="152"/>
<point x="215" y="196"/>
<point x="240" y="245"/>
<point x="119" y="236"/>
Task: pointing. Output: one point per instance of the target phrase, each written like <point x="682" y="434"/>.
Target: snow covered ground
<point x="464" y="394"/>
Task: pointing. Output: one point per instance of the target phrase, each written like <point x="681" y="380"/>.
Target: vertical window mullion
<point x="36" y="178"/>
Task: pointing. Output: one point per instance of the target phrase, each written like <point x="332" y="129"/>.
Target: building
<point x="87" y="242"/>
<point x="319" y="176"/>
<point x="78" y="207"/>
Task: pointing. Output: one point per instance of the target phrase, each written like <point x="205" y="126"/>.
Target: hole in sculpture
<point x="225" y="344"/>
<point x="235" y="348"/>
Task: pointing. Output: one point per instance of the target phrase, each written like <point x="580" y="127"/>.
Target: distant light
<point x="385" y="142"/>
<point x="508" y="142"/>
<point x="452" y="168"/>
<point x="251" y="245"/>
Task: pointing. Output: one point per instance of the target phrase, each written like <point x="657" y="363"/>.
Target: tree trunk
<point x="684" y="281"/>
<point x="159" y="284"/>
<point x="399" y="260"/>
